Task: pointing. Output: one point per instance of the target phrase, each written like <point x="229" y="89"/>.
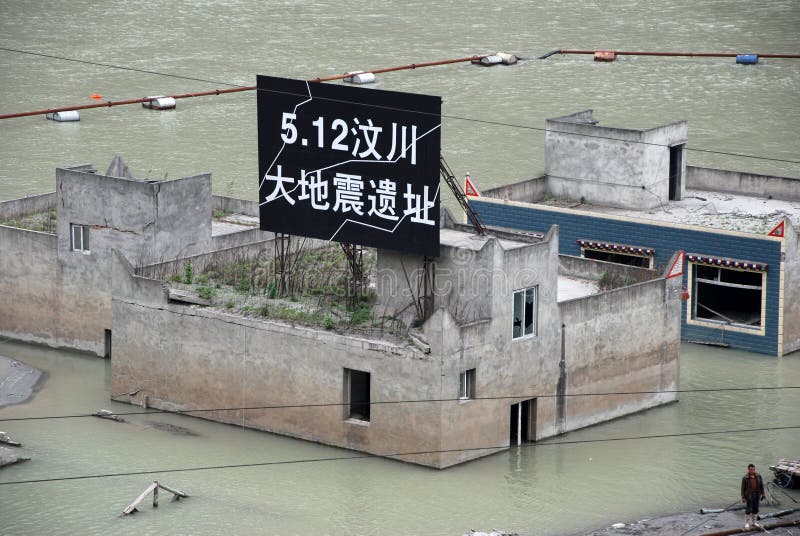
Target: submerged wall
<point x="47" y="300"/>
<point x="625" y="340"/>
<point x="236" y="361"/>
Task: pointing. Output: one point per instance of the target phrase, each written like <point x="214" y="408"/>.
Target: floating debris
<point x="153" y="488"/>
<point x="10" y="457"/>
<point x="4" y="438"/>
<point x="106" y="414"/>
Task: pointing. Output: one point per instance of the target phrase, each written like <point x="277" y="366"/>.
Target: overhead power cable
<point x="393" y="455"/>
<point x="239" y="88"/>
<point x="391" y="402"/>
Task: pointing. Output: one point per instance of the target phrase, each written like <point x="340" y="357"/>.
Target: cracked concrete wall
<point x="618" y="167"/>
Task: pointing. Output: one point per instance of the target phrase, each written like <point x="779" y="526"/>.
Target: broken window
<point x="79" y="238"/>
<point x="525" y="313"/>
<point x="619" y="258"/>
<point x="467" y="384"/>
<point x="727" y="296"/>
<point x="356" y="390"/>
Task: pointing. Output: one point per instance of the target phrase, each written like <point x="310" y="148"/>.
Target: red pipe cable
<point x="108" y="104"/>
<point x="698" y="54"/>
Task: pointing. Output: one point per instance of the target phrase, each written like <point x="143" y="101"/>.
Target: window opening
<point x="525" y="313"/>
<point x="79" y="238"/>
<point x="619" y="258"/>
<point x="357" y="395"/>
<point x="727" y="296"/>
<point x="467" y="385"/>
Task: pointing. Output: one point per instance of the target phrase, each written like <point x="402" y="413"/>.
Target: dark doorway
<point x="107" y="353"/>
<point x="523" y="422"/>
<point x="675" y="172"/>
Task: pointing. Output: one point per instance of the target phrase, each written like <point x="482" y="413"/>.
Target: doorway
<point x="675" y="172"/>
<point x="107" y="352"/>
<point x="522" y="424"/>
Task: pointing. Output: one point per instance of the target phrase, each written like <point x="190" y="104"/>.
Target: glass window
<point x="467" y="385"/>
<point x="79" y="238"/>
<point x="525" y="313"/>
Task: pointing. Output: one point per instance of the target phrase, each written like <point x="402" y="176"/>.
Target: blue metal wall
<point x="666" y="239"/>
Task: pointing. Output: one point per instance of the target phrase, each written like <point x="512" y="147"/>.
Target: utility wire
<point x="461" y="118"/>
<point x="389" y="402"/>
<point x="121" y="67"/>
<point x="395" y="454"/>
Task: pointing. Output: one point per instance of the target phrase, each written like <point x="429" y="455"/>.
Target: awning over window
<point x="724" y="261"/>
<point x="619" y="248"/>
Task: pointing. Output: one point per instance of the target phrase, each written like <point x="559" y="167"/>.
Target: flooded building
<point x="514" y="331"/>
<point x="627" y="196"/>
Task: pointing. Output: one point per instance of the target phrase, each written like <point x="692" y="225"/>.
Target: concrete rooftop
<point x="472" y="241"/>
<point x="717" y="210"/>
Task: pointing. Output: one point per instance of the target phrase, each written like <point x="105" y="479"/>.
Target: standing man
<point x="752" y="492"/>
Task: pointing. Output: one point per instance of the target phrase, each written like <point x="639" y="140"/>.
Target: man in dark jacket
<point x="752" y="491"/>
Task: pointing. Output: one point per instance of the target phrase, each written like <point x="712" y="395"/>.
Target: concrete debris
<point x="9" y="457"/>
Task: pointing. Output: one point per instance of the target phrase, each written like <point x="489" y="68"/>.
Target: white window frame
<point x="79" y="238"/>
<point x="691" y="316"/>
<point x="466" y="384"/>
<point x="535" y="311"/>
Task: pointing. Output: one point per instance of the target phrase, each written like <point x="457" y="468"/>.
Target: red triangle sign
<point x="469" y="188"/>
<point x="677" y="267"/>
<point x="778" y="230"/>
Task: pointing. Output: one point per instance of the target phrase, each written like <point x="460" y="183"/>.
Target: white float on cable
<point x="62" y="117"/>
<point x="500" y="58"/>
<point x="159" y="102"/>
<point x="359" y="77"/>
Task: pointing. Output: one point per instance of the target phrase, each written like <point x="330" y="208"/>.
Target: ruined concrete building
<point x="516" y="331"/>
<point x="627" y="196"/>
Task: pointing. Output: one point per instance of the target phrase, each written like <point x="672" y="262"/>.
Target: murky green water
<point x="731" y="108"/>
<point x="542" y="489"/>
<point x="537" y="490"/>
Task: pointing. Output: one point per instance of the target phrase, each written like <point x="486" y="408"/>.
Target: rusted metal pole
<point x="402" y="67"/>
<point x="693" y="54"/>
<point x="109" y="104"/>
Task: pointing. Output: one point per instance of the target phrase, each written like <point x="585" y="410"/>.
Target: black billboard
<point x="349" y="164"/>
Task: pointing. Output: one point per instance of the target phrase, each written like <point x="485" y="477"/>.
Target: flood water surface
<point x="292" y="487"/>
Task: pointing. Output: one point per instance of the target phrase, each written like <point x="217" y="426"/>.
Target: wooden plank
<point x="132" y="507"/>
<point x="175" y="492"/>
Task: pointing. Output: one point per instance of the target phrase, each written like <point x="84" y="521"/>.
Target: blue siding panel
<point x="666" y="239"/>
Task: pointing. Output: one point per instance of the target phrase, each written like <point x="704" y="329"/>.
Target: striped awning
<point x="614" y="247"/>
<point x="726" y="262"/>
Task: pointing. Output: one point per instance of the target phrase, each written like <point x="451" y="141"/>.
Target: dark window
<point x="356" y="383"/>
<point x="727" y="296"/>
<point x="619" y="258"/>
